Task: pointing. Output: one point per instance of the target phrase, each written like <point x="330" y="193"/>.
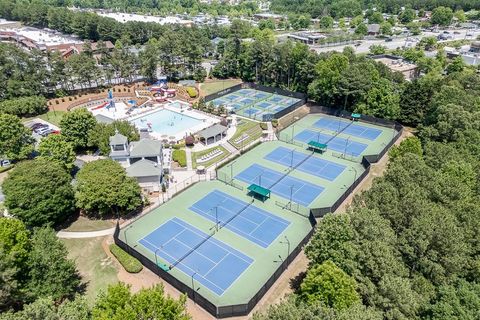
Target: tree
<point x="103" y="188"/>
<point x="381" y="101"/>
<point x="459" y="301"/>
<point x="441" y="16"/>
<point x="149" y="59"/>
<point x="119" y="303"/>
<point x="51" y="274"/>
<point x="457" y="65"/>
<point x="377" y="49"/>
<point x="24" y="106"/>
<point x="460" y="15"/>
<point x="56" y="148"/>
<point x="39" y="193"/>
<point x="75" y="126"/>
<point x="386" y="28"/>
<point x="99" y="136"/>
<point x="266" y="24"/>
<point x="16" y="140"/>
<point x="293" y="308"/>
<point x="326" y="22"/>
<point x="409" y="145"/>
<point x="329" y="284"/>
<point x="407" y="16"/>
<point x="361" y="29"/>
<point x="14" y="240"/>
<point x="376" y="17"/>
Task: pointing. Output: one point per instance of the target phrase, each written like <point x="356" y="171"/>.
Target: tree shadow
<point x="297" y="281"/>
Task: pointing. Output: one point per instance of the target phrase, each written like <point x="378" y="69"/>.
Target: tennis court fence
<point x="269" y="116"/>
<point x="216" y="311"/>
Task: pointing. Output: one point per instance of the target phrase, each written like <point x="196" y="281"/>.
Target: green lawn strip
<point x="212" y="87"/>
<point x="208" y="163"/>
<point x="249" y="127"/>
<point x="53" y="117"/>
<point x="130" y="263"/>
<point x="97" y="269"/>
<point x="180" y="156"/>
<point x="85" y="224"/>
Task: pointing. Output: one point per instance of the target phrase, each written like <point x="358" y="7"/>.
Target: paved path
<point x="229" y="147"/>
<point x="188" y="154"/>
<point x="84" y="234"/>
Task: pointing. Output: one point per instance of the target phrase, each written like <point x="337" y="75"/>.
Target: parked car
<point x="4" y="162"/>
<point x="38" y="125"/>
<point x="388" y="39"/>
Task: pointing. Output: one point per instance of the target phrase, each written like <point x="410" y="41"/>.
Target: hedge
<point x="180" y="156"/>
<point x="192" y="92"/>
<point x="130" y="263"/>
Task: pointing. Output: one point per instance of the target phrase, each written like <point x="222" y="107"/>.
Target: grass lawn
<point x="218" y="85"/>
<point x="96" y="268"/>
<point x="207" y="164"/>
<point x="249" y="127"/>
<point x="53" y="117"/>
<point x="85" y="224"/>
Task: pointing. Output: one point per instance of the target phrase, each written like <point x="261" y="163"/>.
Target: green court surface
<point x="266" y="260"/>
<point x="333" y="189"/>
<point x="373" y="146"/>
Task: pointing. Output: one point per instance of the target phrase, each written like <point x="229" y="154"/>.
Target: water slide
<point x="101" y="106"/>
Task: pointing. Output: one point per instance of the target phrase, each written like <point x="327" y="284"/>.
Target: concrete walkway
<point x="85" y="234"/>
<point x="188" y="154"/>
<point x="229" y="147"/>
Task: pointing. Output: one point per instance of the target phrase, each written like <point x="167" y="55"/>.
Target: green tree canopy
<point x="75" y="126"/>
<point x="329" y="284"/>
<point x="51" y="273"/>
<point x="118" y="303"/>
<point x="56" y="148"/>
<point x="39" y="193"/>
<point x="16" y="140"/>
<point x="409" y="145"/>
<point x="103" y="187"/>
<point x="24" y="106"/>
<point x="100" y="135"/>
<point x="441" y="16"/>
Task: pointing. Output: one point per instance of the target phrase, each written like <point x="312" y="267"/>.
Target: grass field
<point x="96" y="268"/>
<point x="207" y="164"/>
<point x="53" y="117"/>
<point x="218" y="85"/>
<point x="251" y="128"/>
<point x="85" y="224"/>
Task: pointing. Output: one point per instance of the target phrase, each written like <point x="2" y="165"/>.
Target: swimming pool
<point x="167" y="122"/>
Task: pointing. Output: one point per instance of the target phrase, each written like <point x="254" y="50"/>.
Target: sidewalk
<point x="188" y="155"/>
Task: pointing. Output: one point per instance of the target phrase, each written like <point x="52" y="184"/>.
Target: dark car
<point x="388" y="39"/>
<point x="38" y="125"/>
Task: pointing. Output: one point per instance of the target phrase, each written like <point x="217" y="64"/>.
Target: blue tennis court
<point x="264" y="105"/>
<point x="247" y="101"/>
<point x="218" y="102"/>
<point x="250" y="111"/>
<point x="261" y="95"/>
<point x="338" y="144"/>
<point x="276" y="98"/>
<point x="253" y="223"/>
<point x="214" y="264"/>
<point x="245" y="92"/>
<point x="348" y="127"/>
<point x="302" y="192"/>
<point x="231" y="97"/>
<point x="235" y="106"/>
<point x="315" y="166"/>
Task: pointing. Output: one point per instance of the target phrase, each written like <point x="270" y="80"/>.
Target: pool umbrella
<point x="164" y="135"/>
<point x="171" y="138"/>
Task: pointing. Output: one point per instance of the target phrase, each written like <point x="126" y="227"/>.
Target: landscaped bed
<point x="199" y="154"/>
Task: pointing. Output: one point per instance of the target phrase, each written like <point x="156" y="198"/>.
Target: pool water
<point x="167" y="122"/>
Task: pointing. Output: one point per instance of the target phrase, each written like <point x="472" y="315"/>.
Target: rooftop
<point x="144" y="168"/>
<point x="118" y="138"/>
<point x="395" y="63"/>
<point x="145" y="148"/>
<point x="212" y="131"/>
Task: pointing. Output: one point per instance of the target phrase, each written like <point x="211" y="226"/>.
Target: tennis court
<point x="315" y="166"/>
<point x="255" y="104"/>
<point x="339" y="144"/>
<point x="248" y="221"/>
<point x="348" y="127"/>
<point x="287" y="187"/>
<point x="212" y="263"/>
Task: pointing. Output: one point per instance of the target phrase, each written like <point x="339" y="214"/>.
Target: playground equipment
<point x="103" y="105"/>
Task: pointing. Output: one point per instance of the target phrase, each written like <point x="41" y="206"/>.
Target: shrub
<point x="192" y="92"/>
<point x="180" y="157"/>
<point x="128" y="262"/>
<point x="274" y="123"/>
<point x="189" y="140"/>
<point x="263" y="125"/>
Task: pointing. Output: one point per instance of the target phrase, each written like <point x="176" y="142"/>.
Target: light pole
<point x="291" y="160"/>
<point x="293" y="130"/>
<point x="231" y="171"/>
<point x="216" y="217"/>
<point x="287" y="242"/>
<point x="355" y="177"/>
<point x="193" y="286"/>
<point x="346" y="145"/>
